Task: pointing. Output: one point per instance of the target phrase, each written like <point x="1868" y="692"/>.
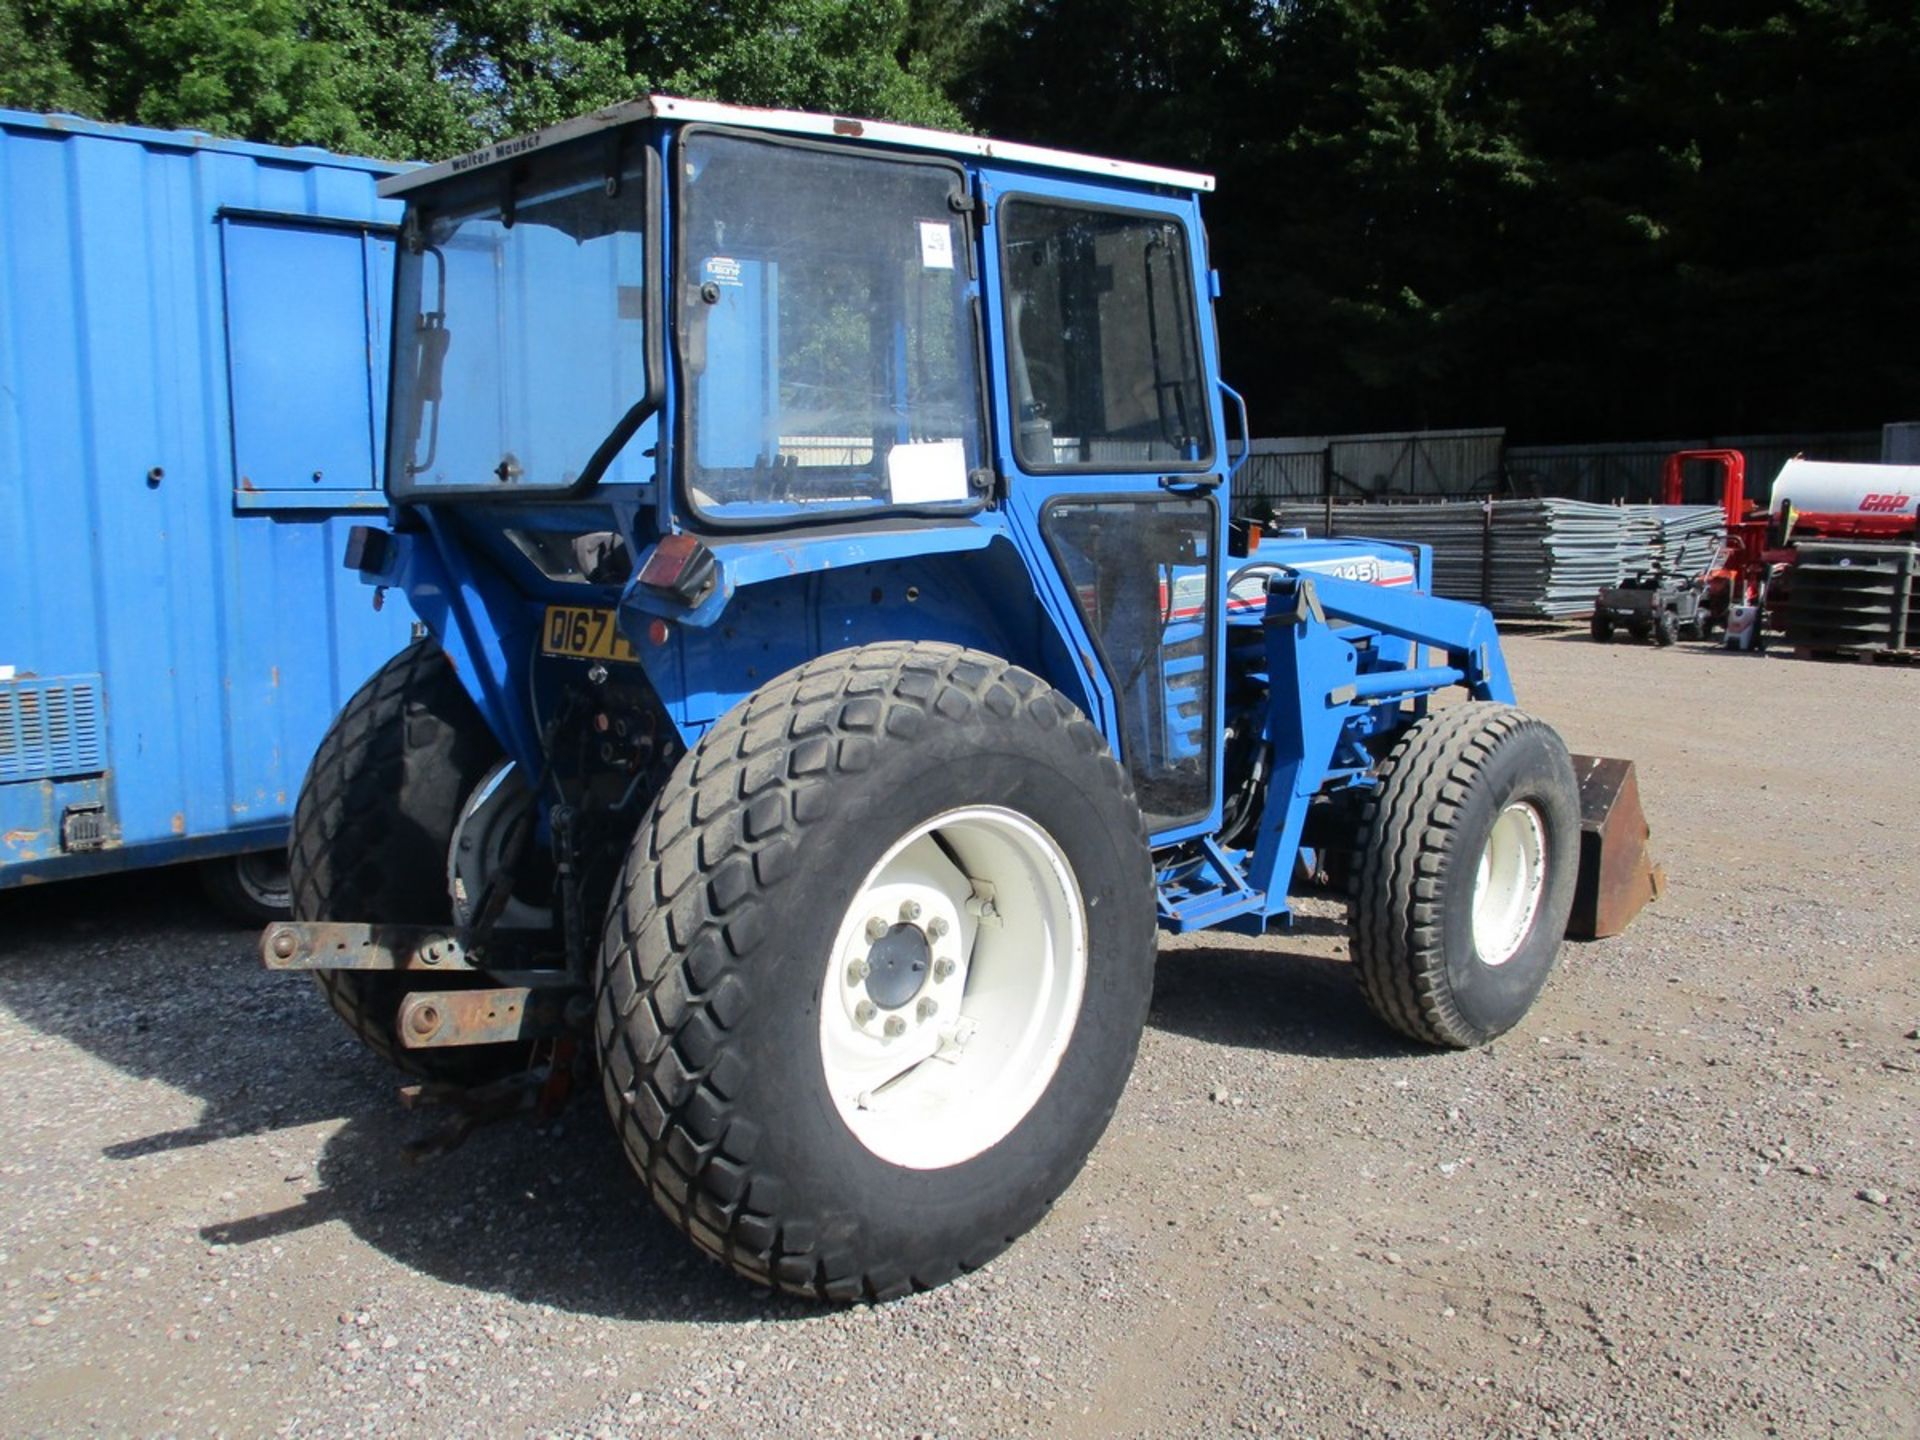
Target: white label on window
<point x="722" y="270"/>
<point x="936" y="245"/>
<point x="927" y="472"/>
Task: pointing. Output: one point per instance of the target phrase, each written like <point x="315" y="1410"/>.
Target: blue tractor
<point x="840" y="666"/>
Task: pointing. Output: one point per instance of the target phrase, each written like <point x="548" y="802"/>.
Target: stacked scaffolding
<point x="1532" y="559"/>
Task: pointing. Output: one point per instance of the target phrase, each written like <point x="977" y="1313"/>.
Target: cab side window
<point x="1102" y="339"/>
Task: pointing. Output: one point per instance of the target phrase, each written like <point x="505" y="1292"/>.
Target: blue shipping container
<point x="193" y="358"/>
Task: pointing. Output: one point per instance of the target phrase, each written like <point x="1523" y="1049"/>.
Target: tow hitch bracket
<point x="430" y="1019"/>
<point x="350" y="945"/>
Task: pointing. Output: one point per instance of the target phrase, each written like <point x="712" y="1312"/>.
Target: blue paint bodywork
<point x="1328" y="634"/>
<point x="193" y="351"/>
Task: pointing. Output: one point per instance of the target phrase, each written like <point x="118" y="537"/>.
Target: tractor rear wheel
<point x="876" y="970"/>
<point x="1465" y="877"/>
<point x="371" y="836"/>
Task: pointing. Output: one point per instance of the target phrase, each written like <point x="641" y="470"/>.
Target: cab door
<point x="1112" y="449"/>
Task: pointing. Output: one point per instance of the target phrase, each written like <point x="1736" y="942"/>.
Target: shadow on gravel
<point x="544" y="1215"/>
<point x="140" y="971"/>
<point x="142" y="974"/>
<point x="1621" y="640"/>
<point x="1271" y="998"/>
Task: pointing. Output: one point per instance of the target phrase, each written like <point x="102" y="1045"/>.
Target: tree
<point x="1579" y="220"/>
<point x="408" y="79"/>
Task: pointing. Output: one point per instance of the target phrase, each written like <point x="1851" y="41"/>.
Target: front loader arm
<point x="1328" y="693"/>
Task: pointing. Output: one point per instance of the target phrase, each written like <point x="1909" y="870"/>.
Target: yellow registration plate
<point x="587" y="633"/>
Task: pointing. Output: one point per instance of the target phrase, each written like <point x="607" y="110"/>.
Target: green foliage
<point x="238" y="68"/>
<point x="1573" y="217"/>
<point x="422" y="80"/>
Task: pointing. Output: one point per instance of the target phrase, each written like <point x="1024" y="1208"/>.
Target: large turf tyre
<point x="791" y="848"/>
<point x="370" y="838"/>
<point x="1465" y="874"/>
<point x="1666" y="629"/>
<point x="1600" y="627"/>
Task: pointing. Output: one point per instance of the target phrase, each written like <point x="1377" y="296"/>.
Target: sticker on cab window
<point x="936" y="245"/>
<point x="721" y="270"/>
<point x="927" y="472"/>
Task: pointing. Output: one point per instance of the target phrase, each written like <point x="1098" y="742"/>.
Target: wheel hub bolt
<point x="942" y="969"/>
<point x="858" y="971"/>
<point x="864" y="1011"/>
<point x="926" y="1008"/>
<point x="283" y="945"/>
<point x="909" y="910"/>
<point x="895" y="1027"/>
<point x="936" y="927"/>
<point x="876" y="928"/>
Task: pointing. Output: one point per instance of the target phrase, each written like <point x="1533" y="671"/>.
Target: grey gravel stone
<point x="207" y="1227"/>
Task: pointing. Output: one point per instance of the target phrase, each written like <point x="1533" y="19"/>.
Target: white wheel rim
<point x="932" y="1076"/>
<point x="479" y="845"/>
<point x="1508" y="882"/>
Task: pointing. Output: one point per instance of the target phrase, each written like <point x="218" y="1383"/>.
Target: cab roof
<point x="796" y="122"/>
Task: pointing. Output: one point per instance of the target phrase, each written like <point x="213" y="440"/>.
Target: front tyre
<point x="1465" y="876"/>
<point x="876" y="970"/>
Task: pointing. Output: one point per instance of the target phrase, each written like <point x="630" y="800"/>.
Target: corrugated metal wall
<point x="138" y="339"/>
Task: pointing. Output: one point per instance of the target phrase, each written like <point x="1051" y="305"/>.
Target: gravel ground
<point x="1682" y="1197"/>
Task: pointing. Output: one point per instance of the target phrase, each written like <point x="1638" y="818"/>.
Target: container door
<point x="306" y="359"/>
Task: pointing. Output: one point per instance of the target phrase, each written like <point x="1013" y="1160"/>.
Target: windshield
<point x="827" y="324"/>
<point x="521" y="332"/>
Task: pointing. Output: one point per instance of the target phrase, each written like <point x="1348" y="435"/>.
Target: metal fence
<point x="1466" y="464"/>
<point x="1631" y="472"/>
<point x="1900" y="443"/>
<point x="1395" y="465"/>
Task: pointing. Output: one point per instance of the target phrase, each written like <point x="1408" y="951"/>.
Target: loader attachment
<point x="1617" y="875"/>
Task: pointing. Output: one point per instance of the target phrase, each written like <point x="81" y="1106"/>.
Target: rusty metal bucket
<point x="1617" y="875"/>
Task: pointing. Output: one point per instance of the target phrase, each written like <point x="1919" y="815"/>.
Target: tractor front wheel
<point x="1465" y="877"/>
<point x="876" y="970"/>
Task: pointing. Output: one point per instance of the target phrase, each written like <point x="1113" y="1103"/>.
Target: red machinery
<point x="1810" y="498"/>
<point x="1739" y="572"/>
<point x="1842" y="501"/>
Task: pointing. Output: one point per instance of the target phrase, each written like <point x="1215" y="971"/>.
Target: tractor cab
<point x="680" y="374"/>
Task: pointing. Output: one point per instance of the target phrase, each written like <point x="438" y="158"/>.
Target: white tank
<point x="1830" y="487"/>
